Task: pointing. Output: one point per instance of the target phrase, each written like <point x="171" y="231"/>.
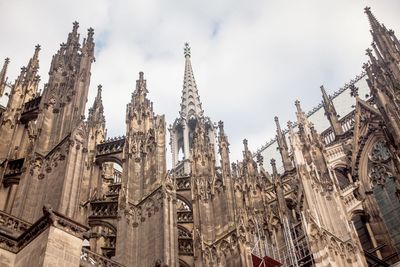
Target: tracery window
<point x="380" y="172"/>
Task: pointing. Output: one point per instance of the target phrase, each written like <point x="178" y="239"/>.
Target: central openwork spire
<point x="190" y="105"/>
<point x="191" y="117"/>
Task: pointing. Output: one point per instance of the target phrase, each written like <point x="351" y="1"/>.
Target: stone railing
<point x="350" y="201"/>
<point x="113" y="190"/>
<point x="13" y="171"/>
<point x="12" y="225"/>
<point x="185" y="216"/>
<point x="185" y="246"/>
<point x="89" y="258"/>
<point x="110" y="146"/>
<point x="183" y="183"/>
<point x="14" y="167"/>
<point x="30" y="109"/>
<point x="32" y="104"/>
<point x="104" y="208"/>
<point x="334" y="152"/>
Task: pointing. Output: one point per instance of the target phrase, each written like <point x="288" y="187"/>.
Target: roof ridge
<point x="313" y="110"/>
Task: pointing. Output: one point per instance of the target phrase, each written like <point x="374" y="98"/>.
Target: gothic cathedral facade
<point x="70" y="196"/>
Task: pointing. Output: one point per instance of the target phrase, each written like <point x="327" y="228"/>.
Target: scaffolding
<point x="295" y="252"/>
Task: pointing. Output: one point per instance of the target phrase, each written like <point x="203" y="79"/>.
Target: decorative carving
<point x="379" y="164"/>
<point x="12" y="225"/>
<point x="379" y="152"/>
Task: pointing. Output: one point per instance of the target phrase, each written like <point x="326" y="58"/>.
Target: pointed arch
<point x="185" y="204"/>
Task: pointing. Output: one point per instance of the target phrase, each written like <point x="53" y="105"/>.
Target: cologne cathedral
<point x="71" y="196"/>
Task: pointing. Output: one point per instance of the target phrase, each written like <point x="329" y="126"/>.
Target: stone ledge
<point x="49" y="218"/>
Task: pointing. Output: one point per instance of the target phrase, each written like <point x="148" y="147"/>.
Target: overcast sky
<point x="251" y="59"/>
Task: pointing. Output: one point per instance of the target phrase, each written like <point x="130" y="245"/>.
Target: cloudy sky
<point x="251" y="59"/>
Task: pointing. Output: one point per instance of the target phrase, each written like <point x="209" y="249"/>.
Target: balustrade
<point x="104" y="208"/>
<point x="12" y="225"/>
<point x="185" y="217"/>
<point x="114" y="145"/>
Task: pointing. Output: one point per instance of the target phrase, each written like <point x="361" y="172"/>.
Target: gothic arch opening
<point x="376" y="173"/>
<point x="182" y="263"/>
<point x="341" y="174"/>
<point x="184" y="210"/>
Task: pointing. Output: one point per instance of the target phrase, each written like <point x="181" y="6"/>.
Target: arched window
<point x="380" y="172"/>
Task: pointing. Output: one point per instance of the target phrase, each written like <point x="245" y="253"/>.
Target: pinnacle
<point x="99" y="89"/>
<point x="75" y="26"/>
<point x="297" y="104"/>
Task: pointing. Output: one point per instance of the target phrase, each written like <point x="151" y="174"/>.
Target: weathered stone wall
<point x="63" y="249"/>
<point x="33" y="254"/>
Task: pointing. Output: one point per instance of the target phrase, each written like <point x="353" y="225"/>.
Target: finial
<point x="90" y="32"/>
<point x="353" y="90"/>
<point x="246" y="148"/>
<point x="76" y="26"/>
<point x="7" y="60"/>
<point x="99" y="88"/>
<point x="37" y="49"/>
<point x="141" y="75"/>
<point x="186" y="50"/>
<point x="276" y="119"/>
<point x="221" y="127"/>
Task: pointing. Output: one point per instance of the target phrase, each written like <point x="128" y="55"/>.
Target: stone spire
<point x="385" y="44"/>
<point x="33" y="67"/>
<point x="139" y="96"/>
<point x="3" y="78"/>
<point x="283" y="147"/>
<point x="301" y="116"/>
<point x="67" y="89"/>
<point x="26" y="84"/>
<point x="73" y="37"/>
<point x="96" y="112"/>
<point x="330" y="113"/>
<point x="190" y="115"/>
<point x="191" y="105"/>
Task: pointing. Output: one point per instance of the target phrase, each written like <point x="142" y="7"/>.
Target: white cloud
<point x="251" y="59"/>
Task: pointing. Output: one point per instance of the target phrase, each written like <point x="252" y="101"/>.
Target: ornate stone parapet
<point x="110" y="146"/>
<point x="12" y="225"/>
<point x="13" y="172"/>
<point x="15" y="243"/>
